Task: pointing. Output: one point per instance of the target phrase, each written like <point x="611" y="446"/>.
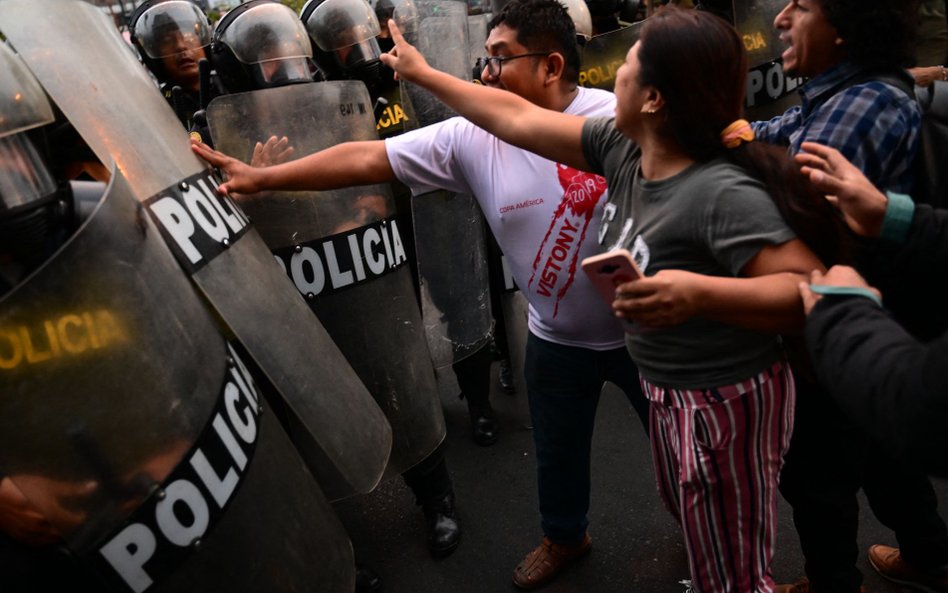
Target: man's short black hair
<point x="876" y="33"/>
<point x="543" y="25"/>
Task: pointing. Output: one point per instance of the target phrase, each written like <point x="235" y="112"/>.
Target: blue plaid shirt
<point x="875" y="125"/>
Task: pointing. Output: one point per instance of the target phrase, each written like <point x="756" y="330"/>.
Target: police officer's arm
<point x="551" y="134"/>
<point x="343" y="165"/>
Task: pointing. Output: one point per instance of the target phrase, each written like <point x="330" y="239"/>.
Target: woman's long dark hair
<point x="697" y="62"/>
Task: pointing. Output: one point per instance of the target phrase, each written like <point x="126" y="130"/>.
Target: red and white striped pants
<point x="717" y="455"/>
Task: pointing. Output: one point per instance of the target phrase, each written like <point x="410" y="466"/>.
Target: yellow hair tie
<point x="738" y="131"/>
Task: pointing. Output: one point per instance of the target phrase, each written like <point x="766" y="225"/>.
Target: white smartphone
<point x="610" y="269"/>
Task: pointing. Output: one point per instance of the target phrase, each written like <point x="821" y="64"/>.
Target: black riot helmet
<point x="166" y="32"/>
<point x="35" y="214"/>
<point x="344" y="35"/>
<point x="261" y="44"/>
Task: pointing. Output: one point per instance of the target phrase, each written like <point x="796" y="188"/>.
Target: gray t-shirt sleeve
<point x="599" y="138"/>
<point x="739" y="219"/>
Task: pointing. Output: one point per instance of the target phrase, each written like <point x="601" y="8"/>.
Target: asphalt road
<point x="636" y="544"/>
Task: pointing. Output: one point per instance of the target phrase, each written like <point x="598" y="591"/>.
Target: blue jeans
<point x="563" y="386"/>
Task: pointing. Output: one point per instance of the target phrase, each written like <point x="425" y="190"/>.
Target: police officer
<point x="172" y="38"/>
<point x="254" y="49"/>
<point x="37" y="215"/>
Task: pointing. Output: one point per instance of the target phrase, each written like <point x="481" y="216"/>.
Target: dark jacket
<point x="885" y="379"/>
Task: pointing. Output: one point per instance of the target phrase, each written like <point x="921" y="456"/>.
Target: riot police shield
<point x="769" y="90"/>
<point x="24" y="102"/>
<point x="86" y="68"/>
<point x="448" y="228"/>
<point x="438" y="28"/>
<point x="754" y="20"/>
<point x="477" y="35"/>
<point x="137" y="432"/>
<point x="343" y="250"/>
<point x="603" y="54"/>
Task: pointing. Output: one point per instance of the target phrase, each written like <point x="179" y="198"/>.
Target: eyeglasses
<point x="494" y="64"/>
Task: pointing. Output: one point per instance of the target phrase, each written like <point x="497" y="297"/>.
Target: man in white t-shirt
<point x="545" y="217"/>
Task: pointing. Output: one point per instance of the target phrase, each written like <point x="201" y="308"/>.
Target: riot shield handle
<point x="380" y="104"/>
<point x="204" y="72"/>
<point x="177" y="103"/>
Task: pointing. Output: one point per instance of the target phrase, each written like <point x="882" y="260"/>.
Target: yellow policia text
<point x="392" y="116"/>
<point x="597" y="75"/>
<point x="754" y="41"/>
<point x="68" y="335"/>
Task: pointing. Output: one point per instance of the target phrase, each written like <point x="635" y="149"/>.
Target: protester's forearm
<point x="344" y="165"/>
<point x="551" y="134"/>
<point x="769" y="303"/>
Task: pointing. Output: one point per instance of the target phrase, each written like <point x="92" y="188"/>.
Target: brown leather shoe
<point x="889" y="563"/>
<point x="542" y="564"/>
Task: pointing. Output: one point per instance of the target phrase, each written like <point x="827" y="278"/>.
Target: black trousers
<point x="429" y="479"/>
<point x="828" y="462"/>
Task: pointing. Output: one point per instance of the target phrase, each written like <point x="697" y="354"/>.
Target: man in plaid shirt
<point x="840" y="45"/>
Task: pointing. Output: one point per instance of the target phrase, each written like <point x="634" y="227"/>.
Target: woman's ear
<point x="654" y="101"/>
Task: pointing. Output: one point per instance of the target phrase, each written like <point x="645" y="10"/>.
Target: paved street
<point x="636" y="546"/>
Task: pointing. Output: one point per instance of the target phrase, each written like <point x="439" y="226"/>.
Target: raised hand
<point x="404" y="58"/>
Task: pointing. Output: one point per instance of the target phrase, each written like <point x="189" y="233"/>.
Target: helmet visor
<point x="23" y="175"/>
<point x="336" y="24"/>
<point x="403" y="11"/>
<point x="23" y="103"/>
<point x="169" y="28"/>
<point x="266" y="33"/>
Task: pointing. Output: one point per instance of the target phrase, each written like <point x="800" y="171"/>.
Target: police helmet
<point x="163" y="28"/>
<point x="345" y="38"/>
<point x="582" y="19"/>
<point x="261" y="44"/>
<point x="29" y="202"/>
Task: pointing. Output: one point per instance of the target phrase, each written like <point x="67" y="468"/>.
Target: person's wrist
<point x="899" y="211"/>
<point x="942" y="73"/>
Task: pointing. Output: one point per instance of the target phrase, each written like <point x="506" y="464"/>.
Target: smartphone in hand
<point x="608" y="270"/>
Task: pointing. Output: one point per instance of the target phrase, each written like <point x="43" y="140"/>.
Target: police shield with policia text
<point x="343" y="250"/>
<point x="339" y="430"/>
<point x="140" y="445"/>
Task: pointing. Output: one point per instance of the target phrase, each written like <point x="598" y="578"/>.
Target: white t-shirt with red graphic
<point x="544" y="215"/>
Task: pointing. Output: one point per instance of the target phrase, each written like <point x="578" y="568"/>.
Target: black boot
<point x="484" y="426"/>
<point x="505" y="377"/>
<point x="443" y="525"/>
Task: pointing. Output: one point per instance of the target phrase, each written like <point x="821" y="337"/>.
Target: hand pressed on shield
<point x="862" y="204"/>
<point x="20" y="520"/>
<point x="668" y="298"/>
<point x="272" y="152"/>
<point x="241" y="178"/>
<point x="842" y="276"/>
<point x="52" y="502"/>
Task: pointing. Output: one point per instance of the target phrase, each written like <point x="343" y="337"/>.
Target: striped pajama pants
<point x="717" y="455"/>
